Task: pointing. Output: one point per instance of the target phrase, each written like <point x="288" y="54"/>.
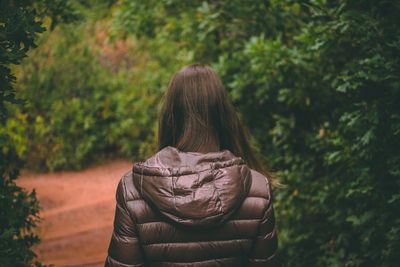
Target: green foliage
<point x="19" y="28"/>
<point x="317" y="82"/>
<point x="18" y="218"/>
<point x="17" y="32"/>
<point x="18" y="209"/>
<point x="90" y="97"/>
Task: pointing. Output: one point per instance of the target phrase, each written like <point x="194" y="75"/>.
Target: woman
<point x="202" y="200"/>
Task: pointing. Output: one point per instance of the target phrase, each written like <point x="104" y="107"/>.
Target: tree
<point x="19" y="28"/>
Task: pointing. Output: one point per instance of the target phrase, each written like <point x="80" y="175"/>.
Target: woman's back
<point x="193" y="209"/>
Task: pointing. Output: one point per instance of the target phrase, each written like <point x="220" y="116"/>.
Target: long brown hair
<point x="198" y="116"/>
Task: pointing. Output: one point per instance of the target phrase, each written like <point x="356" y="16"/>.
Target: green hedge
<point x="317" y="82"/>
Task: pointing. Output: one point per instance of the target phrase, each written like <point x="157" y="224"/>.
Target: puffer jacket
<point x="193" y="209"/>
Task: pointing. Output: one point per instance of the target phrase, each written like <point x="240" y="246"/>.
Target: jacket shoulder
<point x="260" y="187"/>
<point x="126" y="189"/>
<point x="258" y="200"/>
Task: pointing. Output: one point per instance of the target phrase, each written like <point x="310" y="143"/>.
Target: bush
<point x="92" y="95"/>
<point x="317" y="83"/>
<point x="18" y="208"/>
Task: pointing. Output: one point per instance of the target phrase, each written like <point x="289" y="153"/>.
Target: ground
<point x="77" y="213"/>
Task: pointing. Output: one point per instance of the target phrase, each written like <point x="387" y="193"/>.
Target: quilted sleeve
<point x="265" y="246"/>
<point x="124" y="249"/>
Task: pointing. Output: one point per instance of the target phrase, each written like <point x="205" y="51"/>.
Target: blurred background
<point x="317" y="83"/>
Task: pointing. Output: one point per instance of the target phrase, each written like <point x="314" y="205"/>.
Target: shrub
<point x="317" y="83"/>
<point x="92" y="95"/>
<point x="18" y="208"/>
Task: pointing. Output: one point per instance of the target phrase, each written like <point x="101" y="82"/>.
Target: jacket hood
<point x="193" y="189"/>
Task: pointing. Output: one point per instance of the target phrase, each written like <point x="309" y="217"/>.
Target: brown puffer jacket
<point x="193" y="209"/>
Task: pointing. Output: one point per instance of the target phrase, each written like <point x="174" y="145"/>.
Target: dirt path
<point x="77" y="211"/>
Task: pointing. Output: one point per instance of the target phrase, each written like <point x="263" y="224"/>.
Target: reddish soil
<point x="77" y="213"/>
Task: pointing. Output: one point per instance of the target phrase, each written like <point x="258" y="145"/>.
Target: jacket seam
<point x="263" y="260"/>
<point x="257" y="197"/>
<point x="216" y="189"/>
<point x="183" y="262"/>
<point x="232" y="220"/>
<point x="268" y="235"/>
<point x="120" y="263"/>
<point x="173" y="181"/>
<point x="141" y="199"/>
<point x="197" y="242"/>
<point x="124" y="195"/>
